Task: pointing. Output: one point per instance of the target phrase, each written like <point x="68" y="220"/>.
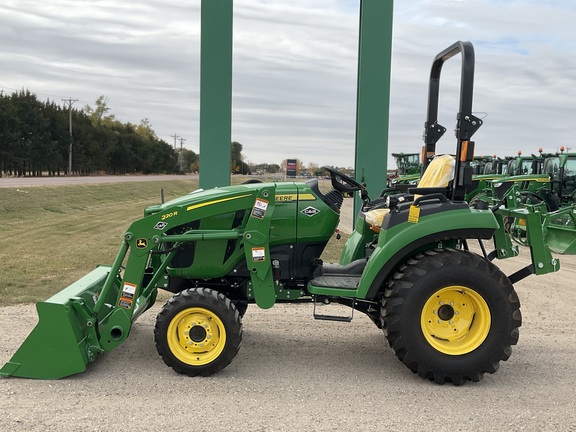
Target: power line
<point x="3" y="87"/>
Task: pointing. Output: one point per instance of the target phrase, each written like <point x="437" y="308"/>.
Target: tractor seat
<point x="437" y="176"/>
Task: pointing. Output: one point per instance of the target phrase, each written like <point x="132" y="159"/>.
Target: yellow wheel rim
<point x="455" y="320"/>
<point x="196" y="336"/>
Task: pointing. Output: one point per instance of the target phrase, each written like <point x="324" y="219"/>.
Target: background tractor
<point x="448" y="313"/>
<point x="549" y="190"/>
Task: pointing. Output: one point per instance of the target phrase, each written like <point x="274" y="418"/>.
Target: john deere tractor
<point x="448" y="313"/>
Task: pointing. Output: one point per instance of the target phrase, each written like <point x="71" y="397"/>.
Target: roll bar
<point x="467" y="124"/>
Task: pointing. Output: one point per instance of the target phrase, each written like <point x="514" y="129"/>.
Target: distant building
<point x="291" y="165"/>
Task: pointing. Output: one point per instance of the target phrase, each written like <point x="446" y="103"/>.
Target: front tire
<point x="451" y="316"/>
<point x="198" y="332"/>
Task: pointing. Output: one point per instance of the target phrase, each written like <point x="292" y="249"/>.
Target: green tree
<point x="34" y="138"/>
<point x="144" y="129"/>
<point x="99" y="114"/>
<point x="191" y="160"/>
<point x="236" y="157"/>
<point x="30" y="148"/>
<point x="238" y="166"/>
<point x="56" y="146"/>
<point x="9" y="134"/>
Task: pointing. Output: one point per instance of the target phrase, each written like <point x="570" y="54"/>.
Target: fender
<point x="399" y="242"/>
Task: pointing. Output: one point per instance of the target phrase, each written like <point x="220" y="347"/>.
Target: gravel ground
<point x="297" y="374"/>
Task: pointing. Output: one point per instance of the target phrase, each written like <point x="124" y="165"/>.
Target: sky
<point x="295" y="68"/>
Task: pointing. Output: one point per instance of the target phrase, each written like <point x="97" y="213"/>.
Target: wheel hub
<point x="446" y="312"/>
<point x="196" y="336"/>
<point x="455" y="320"/>
<point x="197" y="333"/>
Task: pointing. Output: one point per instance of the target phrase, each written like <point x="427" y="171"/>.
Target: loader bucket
<point x="561" y="239"/>
<point x="561" y="231"/>
<point x="64" y="339"/>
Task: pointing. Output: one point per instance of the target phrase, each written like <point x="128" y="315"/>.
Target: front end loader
<point x="449" y="314"/>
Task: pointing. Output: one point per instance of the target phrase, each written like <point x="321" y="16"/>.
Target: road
<point x="63" y="180"/>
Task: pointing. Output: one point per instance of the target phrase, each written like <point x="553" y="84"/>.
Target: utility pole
<point x="175" y="138"/>
<point x="70" y="103"/>
<point x="181" y="154"/>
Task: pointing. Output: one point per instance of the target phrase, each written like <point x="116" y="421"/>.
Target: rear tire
<point x="198" y="332"/>
<point x="451" y="316"/>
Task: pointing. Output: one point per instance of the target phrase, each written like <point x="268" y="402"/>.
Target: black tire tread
<point x="393" y="310"/>
<point x="217" y="303"/>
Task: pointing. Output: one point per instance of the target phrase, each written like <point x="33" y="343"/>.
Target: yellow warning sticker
<point x="125" y="303"/>
<point x="414" y="214"/>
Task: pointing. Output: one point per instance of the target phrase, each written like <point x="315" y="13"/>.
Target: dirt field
<point x="297" y="374"/>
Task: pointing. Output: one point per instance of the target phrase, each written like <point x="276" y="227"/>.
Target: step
<point x="339" y="281"/>
<point x="325" y="317"/>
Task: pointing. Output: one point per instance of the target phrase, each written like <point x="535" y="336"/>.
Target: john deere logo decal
<point x="141" y="243"/>
<point x="310" y="211"/>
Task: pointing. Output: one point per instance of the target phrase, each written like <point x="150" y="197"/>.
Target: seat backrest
<point x="437" y="175"/>
<point x="439" y="172"/>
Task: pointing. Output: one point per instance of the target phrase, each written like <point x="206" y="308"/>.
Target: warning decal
<point x="126" y="304"/>
<point x="259" y="209"/>
<point x="128" y="290"/>
<point x="258" y="254"/>
<point x="127" y="297"/>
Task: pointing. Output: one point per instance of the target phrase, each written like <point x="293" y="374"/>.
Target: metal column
<point x="215" y="92"/>
<point x="373" y="98"/>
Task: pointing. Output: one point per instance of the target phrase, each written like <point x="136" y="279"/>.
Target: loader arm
<point x="94" y="315"/>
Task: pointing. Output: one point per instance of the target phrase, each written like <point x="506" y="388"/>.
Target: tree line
<point x="35" y="140"/>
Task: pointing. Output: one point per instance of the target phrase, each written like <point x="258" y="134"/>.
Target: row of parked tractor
<point x="544" y="183"/>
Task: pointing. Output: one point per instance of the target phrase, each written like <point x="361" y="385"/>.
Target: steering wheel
<point x="344" y="183"/>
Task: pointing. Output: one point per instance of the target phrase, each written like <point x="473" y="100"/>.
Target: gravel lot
<point x="297" y="374"/>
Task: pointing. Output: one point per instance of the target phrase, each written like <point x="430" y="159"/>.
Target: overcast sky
<point x="295" y="62"/>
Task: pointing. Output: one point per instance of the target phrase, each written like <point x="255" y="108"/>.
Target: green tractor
<point x="524" y="174"/>
<point x="448" y="313"/>
<point x="550" y="190"/>
<point x="556" y="200"/>
<point x="561" y="168"/>
<point x="407" y="163"/>
<point x="408" y="172"/>
<point x="524" y="165"/>
<point x="497" y="166"/>
<point x="480" y="163"/>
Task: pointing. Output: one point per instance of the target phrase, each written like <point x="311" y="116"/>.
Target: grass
<point x="52" y="236"/>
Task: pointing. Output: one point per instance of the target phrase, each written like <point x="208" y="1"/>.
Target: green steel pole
<point x="373" y="97"/>
<point x="215" y="92"/>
